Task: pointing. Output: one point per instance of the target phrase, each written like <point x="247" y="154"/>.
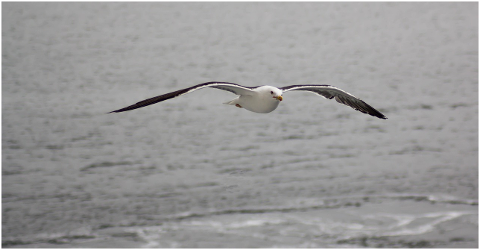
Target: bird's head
<point x="275" y="93"/>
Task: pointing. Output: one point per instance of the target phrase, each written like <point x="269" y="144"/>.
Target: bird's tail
<point x="232" y="102"/>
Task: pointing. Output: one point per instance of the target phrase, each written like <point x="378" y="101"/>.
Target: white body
<point x="263" y="99"/>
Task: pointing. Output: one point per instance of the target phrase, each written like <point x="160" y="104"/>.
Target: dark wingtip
<point x="379" y="115"/>
<point x="115" y="111"/>
<point x="119" y="110"/>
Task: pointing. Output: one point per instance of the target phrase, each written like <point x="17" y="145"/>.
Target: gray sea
<point x="192" y="172"/>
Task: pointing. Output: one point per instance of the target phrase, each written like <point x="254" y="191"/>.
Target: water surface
<point x="192" y="172"/>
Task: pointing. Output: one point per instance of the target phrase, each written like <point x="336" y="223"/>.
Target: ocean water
<point x="192" y="172"/>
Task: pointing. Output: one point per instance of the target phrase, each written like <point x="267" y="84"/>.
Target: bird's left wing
<point x="340" y="96"/>
<point x="231" y="87"/>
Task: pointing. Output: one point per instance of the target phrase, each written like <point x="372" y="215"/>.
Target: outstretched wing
<point x="340" y="96"/>
<point x="231" y="87"/>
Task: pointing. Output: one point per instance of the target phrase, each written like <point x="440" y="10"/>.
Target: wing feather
<point x="340" y="96"/>
<point x="231" y="87"/>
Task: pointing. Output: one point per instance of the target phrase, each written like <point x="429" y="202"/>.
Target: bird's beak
<point x="280" y="98"/>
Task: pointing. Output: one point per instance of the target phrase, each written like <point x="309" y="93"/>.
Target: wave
<point x="323" y="220"/>
<point x="328" y="203"/>
<point x="50" y="239"/>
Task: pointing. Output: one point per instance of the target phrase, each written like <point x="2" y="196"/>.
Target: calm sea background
<point x="192" y="172"/>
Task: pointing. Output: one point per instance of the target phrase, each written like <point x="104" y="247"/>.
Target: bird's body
<point x="264" y="99"/>
<point x="259" y="100"/>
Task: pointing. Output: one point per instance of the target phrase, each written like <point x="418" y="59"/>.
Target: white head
<point x="272" y="92"/>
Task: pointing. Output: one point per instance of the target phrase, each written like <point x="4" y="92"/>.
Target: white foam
<point x="411" y="225"/>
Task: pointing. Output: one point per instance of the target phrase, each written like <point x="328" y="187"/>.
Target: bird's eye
<point x="271" y="92"/>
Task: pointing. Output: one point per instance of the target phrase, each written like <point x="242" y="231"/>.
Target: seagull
<point x="264" y="99"/>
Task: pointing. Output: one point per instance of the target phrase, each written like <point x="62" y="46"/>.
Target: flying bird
<point x="264" y="99"/>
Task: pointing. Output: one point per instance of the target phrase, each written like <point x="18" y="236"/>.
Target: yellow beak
<point x="280" y="98"/>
